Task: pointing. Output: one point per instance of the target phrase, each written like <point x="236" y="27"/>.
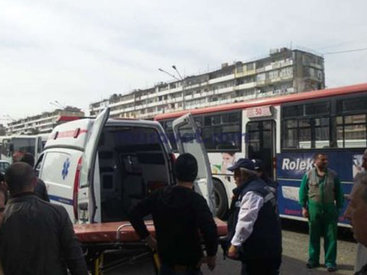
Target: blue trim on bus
<point x="61" y="199"/>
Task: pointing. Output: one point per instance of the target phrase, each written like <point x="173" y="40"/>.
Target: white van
<point x="98" y="169"/>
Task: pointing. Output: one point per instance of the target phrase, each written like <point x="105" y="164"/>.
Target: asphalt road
<point x="295" y="245"/>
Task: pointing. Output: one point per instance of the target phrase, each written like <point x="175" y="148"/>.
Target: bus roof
<point x="270" y="101"/>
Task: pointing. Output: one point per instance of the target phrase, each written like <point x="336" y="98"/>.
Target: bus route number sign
<point x="262" y="111"/>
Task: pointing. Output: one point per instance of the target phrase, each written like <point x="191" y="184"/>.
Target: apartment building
<point x="43" y="123"/>
<point x="284" y="71"/>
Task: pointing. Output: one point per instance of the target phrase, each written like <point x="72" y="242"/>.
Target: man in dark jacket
<point x="263" y="174"/>
<point x="36" y="237"/>
<point x="253" y="225"/>
<point x="178" y="214"/>
<point x="40" y="189"/>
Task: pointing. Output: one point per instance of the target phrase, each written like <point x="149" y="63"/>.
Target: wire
<point x="347" y="51"/>
<point x="336" y="45"/>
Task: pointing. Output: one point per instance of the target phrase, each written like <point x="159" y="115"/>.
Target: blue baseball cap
<point x="243" y="163"/>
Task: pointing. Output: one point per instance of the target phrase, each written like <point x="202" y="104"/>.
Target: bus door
<point x="260" y="139"/>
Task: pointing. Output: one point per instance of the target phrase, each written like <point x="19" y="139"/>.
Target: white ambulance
<point x="98" y="169"/>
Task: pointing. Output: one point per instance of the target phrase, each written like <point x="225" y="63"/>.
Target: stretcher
<point x="99" y="239"/>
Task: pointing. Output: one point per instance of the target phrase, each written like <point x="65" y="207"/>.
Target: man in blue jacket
<point x="253" y="225"/>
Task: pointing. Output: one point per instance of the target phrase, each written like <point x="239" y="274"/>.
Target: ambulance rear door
<point x="87" y="195"/>
<point x="189" y="140"/>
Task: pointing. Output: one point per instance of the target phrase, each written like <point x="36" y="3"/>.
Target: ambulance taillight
<point x="76" y="188"/>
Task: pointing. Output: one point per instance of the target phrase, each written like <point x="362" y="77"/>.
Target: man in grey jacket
<point x="36" y="237"/>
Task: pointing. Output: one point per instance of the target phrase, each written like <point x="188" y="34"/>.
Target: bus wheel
<point x="221" y="200"/>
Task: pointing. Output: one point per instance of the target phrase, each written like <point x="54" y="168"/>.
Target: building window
<point x="250" y="66"/>
<point x="260" y="77"/>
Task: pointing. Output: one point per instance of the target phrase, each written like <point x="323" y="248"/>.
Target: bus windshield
<point x="24" y="145"/>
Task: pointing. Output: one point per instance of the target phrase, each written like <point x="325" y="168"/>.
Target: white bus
<point x="21" y="143"/>
<point x="284" y="132"/>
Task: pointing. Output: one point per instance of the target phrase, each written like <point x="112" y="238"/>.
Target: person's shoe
<point x="331" y="268"/>
<point x="310" y="265"/>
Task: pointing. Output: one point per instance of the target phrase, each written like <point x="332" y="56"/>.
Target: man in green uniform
<point x="321" y="198"/>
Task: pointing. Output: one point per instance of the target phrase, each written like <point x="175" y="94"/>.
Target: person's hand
<point x="209" y="260"/>
<point x="305" y="212"/>
<point x="151" y="242"/>
<point x="232" y="252"/>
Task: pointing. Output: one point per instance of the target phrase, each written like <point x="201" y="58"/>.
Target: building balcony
<point x="122" y="102"/>
<point x="246" y="86"/>
<point x="275" y="65"/>
<point x="153" y="104"/>
<point x="224" y="90"/>
<point x="193" y="86"/>
<point x="169" y="91"/>
<point x="260" y="70"/>
<point x="149" y="115"/>
<point x="221" y="79"/>
<point x="174" y="100"/>
<point x="285" y="77"/>
<point x="286" y="63"/>
<point x="129" y="109"/>
<point x="117" y="112"/>
<point x="268" y="67"/>
<point x="245" y="73"/>
<point x="143" y="97"/>
<point x="208" y="93"/>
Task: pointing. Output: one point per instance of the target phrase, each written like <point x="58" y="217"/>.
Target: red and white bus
<point x="284" y="131"/>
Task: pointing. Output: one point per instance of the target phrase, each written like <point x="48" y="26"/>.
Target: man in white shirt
<point x="253" y="225"/>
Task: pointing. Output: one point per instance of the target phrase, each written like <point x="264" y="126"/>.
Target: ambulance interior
<point x="133" y="163"/>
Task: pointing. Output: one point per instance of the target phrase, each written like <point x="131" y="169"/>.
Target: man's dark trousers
<point x="269" y="266"/>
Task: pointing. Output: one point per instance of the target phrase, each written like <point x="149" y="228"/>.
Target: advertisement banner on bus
<point x="291" y="168"/>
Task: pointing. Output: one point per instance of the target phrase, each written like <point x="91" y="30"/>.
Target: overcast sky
<point x="77" y="51"/>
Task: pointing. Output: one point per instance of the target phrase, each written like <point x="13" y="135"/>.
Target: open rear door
<point x="189" y="140"/>
<point x="86" y="195"/>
